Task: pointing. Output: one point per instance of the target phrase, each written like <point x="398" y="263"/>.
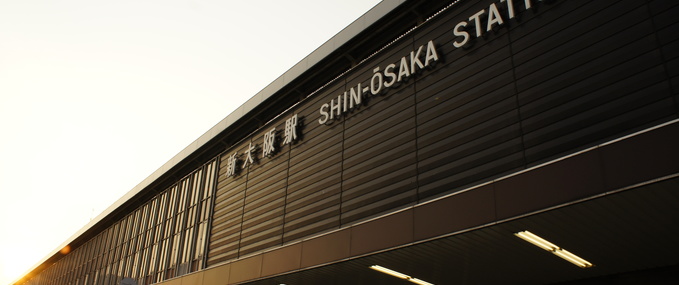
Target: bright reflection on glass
<point x="399" y="275"/>
<point x="548" y="246"/>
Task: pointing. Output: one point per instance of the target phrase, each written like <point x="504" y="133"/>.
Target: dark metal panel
<point x="484" y="165"/>
<point x="668" y="34"/>
<point x="379" y="116"/>
<point x="265" y="194"/>
<point x="659" y="6"/>
<point x="386" y="232"/>
<point x="602" y="88"/>
<point x="455" y="213"/>
<point x="323" y="219"/>
<point x="330" y="247"/>
<point x="316" y="177"/>
<point x="570" y="24"/>
<point x="282" y="260"/>
<point x="664" y="14"/>
<point x="388" y="192"/>
<point x="268" y="171"/>
<point x="372" y="157"/>
<point x="227" y="215"/>
<point x="364" y="72"/>
<point x="588" y="128"/>
<point x="588" y="94"/>
<point x="466" y="114"/>
<point x="643" y="157"/>
<point x="673" y="67"/>
<point x="602" y="53"/>
<point x="314" y="180"/>
<point x="245" y="269"/>
<point x="476" y="70"/>
<point x="452" y="104"/>
<point x="626" y="232"/>
<point x="588" y="53"/>
<point x="315" y="156"/>
<point x="569" y="180"/>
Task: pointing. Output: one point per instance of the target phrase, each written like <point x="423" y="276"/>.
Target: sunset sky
<point x="96" y="95"/>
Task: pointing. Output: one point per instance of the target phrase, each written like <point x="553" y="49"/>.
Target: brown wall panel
<point x="455" y="213"/>
<point x="245" y="269"/>
<point x="227" y="215"/>
<point x="327" y="248"/>
<point x="393" y="230"/>
<point x="579" y="96"/>
<point x="314" y="181"/>
<point x="641" y="158"/>
<point x="282" y="260"/>
<point x="264" y="209"/>
<point x="571" y="179"/>
<point x="379" y="172"/>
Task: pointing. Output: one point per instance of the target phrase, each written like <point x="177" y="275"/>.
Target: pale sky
<point x="96" y="95"/>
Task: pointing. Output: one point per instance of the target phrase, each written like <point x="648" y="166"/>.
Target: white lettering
<point x="231" y="164"/>
<point x="403" y="69"/>
<point x="477" y="22"/>
<point x="290" y="133"/>
<point x="334" y="106"/>
<point x="510" y="8"/>
<point x="431" y="53"/>
<point x="415" y="60"/>
<point x="269" y="145"/>
<point x="528" y="4"/>
<point x="376" y="81"/>
<point x="324" y="114"/>
<point x="248" y="156"/>
<point x="461" y="33"/>
<point x="389" y="73"/>
<point x="355" y="96"/>
<point x="494" y="17"/>
<point x="344" y="102"/>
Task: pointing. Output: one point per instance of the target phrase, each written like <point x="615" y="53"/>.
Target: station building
<point x="429" y="142"/>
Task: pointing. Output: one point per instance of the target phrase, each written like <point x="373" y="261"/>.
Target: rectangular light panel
<point x="399" y="275"/>
<point x="548" y="246"/>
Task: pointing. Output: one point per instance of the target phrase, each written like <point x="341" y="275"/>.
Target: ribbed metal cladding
<point x="630" y="232"/>
<point x="557" y="79"/>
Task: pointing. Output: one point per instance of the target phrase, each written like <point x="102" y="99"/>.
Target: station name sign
<point x="491" y="17"/>
<point x="477" y="25"/>
<point x="379" y="83"/>
<point x="425" y="56"/>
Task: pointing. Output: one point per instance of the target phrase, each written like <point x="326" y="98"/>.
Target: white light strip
<point x="548" y="246"/>
<point x="420" y="282"/>
<point x="573" y="258"/>
<point x="399" y="275"/>
<point x="536" y="240"/>
<point x="390" y="272"/>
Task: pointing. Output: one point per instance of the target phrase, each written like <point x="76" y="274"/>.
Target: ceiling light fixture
<point x="548" y="246"/>
<point x="420" y="282"/>
<point x="399" y="275"/>
<point x="573" y="258"/>
<point x="536" y="240"/>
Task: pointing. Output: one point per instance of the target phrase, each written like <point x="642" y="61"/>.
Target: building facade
<point x="424" y="138"/>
